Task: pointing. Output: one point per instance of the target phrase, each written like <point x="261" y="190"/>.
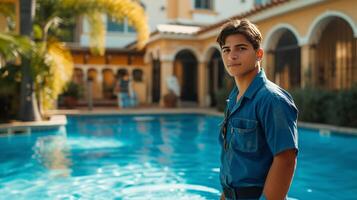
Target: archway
<point x="185" y="69"/>
<point x="335" y="52"/>
<point x="216" y="73"/>
<point x="287" y="68"/>
<point x="108" y="84"/>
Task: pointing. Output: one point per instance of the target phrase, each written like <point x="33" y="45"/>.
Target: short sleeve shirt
<point x="260" y="125"/>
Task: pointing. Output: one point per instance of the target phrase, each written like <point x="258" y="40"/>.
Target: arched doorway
<point x="287" y="69"/>
<point x="156" y="80"/>
<point x="185" y="69"/>
<point x="78" y="76"/>
<point x="335" y="53"/>
<point x="216" y="73"/>
<point x="108" y="84"/>
<point x="93" y="75"/>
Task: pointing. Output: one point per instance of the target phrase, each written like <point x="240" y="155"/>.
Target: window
<point x="121" y="73"/>
<point x="131" y="29"/>
<point x="204" y="4"/>
<point x="260" y="2"/>
<point x="138" y="75"/>
<point x="123" y="27"/>
<point x="114" y="26"/>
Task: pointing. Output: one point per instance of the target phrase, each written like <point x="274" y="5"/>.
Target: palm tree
<point x="28" y="103"/>
<point x="50" y="65"/>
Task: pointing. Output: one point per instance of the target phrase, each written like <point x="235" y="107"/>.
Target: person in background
<point x="124" y="91"/>
<point x="258" y="135"/>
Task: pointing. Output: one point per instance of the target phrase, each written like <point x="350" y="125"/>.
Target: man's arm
<point x="280" y="175"/>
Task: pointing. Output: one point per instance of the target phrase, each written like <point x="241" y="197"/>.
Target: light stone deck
<point x="58" y="119"/>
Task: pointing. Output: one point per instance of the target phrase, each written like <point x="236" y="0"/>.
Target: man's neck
<point x="243" y="82"/>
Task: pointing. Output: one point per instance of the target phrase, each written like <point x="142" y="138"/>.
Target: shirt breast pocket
<point x="244" y="135"/>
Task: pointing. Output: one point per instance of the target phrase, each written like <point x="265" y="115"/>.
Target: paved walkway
<point x="140" y="110"/>
<point x="57" y="118"/>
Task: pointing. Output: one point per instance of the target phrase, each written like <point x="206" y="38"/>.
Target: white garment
<point x="173" y="85"/>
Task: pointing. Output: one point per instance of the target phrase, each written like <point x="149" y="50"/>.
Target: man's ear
<point x="259" y="54"/>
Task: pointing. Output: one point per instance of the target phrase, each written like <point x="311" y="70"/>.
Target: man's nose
<point x="233" y="56"/>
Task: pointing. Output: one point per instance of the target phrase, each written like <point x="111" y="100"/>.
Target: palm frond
<point x="117" y="10"/>
<point x="96" y="33"/>
<point x="12" y="46"/>
<point x="135" y="14"/>
<point x="60" y="65"/>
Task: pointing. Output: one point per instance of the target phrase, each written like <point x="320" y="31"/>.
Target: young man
<point x="259" y="133"/>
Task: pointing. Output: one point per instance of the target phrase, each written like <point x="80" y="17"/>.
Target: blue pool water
<point x="155" y="157"/>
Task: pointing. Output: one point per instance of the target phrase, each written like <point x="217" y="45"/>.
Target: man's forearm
<point x="280" y="175"/>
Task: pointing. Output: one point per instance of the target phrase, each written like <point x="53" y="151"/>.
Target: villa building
<point x="179" y="17"/>
<point x="306" y="43"/>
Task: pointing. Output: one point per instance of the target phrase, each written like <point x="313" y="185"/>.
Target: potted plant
<point x="170" y="100"/>
<point x="71" y="94"/>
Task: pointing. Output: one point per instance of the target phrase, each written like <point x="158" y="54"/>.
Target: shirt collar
<point x="254" y="86"/>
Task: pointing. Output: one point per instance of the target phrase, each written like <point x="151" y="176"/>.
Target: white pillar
<point x="202" y="84"/>
<point x="166" y="70"/>
<point x="305" y="70"/>
<point x="100" y="83"/>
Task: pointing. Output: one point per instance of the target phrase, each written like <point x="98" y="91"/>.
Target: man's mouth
<point x="234" y="65"/>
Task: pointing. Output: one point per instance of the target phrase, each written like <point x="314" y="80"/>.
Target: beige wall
<point x="306" y="24"/>
<point x="300" y="21"/>
<point x="104" y="68"/>
<point x="172" y="12"/>
<point x="179" y="9"/>
<point x="3" y="23"/>
<point x="303" y="19"/>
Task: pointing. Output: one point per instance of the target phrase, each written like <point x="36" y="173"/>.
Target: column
<point x="100" y="83"/>
<point x="85" y="80"/>
<point x="202" y="84"/>
<point x="268" y="65"/>
<point x="147" y="78"/>
<point x="305" y="66"/>
<point x="167" y="68"/>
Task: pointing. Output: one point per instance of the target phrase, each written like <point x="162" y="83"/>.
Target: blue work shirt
<point x="260" y="125"/>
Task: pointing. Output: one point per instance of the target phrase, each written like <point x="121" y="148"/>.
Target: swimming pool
<point x="154" y="157"/>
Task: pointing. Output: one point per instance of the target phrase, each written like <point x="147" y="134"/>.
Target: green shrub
<point x="343" y="111"/>
<point x="330" y="107"/>
<point x="73" y="89"/>
<point x="221" y="95"/>
<point x="313" y="104"/>
<point x="9" y="92"/>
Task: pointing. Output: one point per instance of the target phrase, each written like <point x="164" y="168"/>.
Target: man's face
<point x="239" y="56"/>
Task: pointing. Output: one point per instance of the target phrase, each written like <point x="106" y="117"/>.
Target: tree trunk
<point x="28" y="103"/>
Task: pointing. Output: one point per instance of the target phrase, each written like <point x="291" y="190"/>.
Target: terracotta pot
<point x="70" y="102"/>
<point x="170" y="100"/>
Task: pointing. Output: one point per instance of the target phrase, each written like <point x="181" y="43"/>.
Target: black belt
<point x="253" y="192"/>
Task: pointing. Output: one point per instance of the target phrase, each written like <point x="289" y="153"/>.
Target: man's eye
<point x="225" y="50"/>
<point x="242" y="48"/>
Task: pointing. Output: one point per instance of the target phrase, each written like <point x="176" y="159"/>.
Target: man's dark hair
<point x="244" y="27"/>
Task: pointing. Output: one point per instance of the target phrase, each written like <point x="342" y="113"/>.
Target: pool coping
<point x="327" y="128"/>
<point x="134" y="111"/>
<point x="58" y="119"/>
<point x="55" y="122"/>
